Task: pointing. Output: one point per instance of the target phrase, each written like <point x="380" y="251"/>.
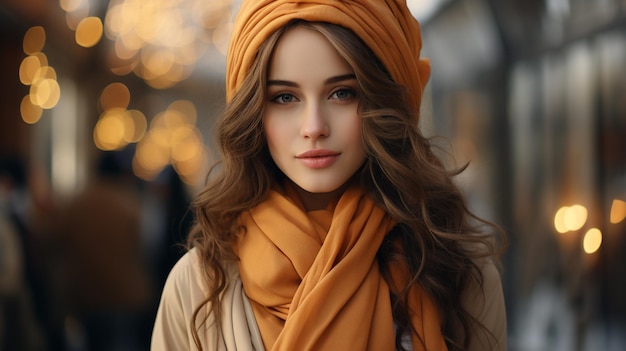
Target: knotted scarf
<point x="386" y="26"/>
<point x="313" y="278"/>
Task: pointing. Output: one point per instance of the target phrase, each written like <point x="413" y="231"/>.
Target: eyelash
<point x="352" y="93"/>
<point x="279" y="95"/>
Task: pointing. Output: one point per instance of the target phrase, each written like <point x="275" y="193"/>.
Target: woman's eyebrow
<point x="331" y="80"/>
<point x="340" y="78"/>
<point x="282" y="82"/>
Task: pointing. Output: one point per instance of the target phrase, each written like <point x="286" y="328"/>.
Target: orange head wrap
<point x="386" y="26"/>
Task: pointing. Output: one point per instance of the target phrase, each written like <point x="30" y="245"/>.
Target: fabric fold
<point x="332" y="297"/>
<point x="386" y="26"/>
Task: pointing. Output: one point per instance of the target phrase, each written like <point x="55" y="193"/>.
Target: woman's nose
<point x="314" y="123"/>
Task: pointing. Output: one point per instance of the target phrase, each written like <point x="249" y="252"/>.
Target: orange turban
<point x="386" y="26"/>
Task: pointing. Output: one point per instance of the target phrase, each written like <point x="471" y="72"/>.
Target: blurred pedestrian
<point x="106" y="285"/>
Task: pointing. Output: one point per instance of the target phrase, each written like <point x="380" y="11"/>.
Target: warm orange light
<point x="176" y="74"/>
<point x="187" y="108"/>
<point x="110" y="130"/>
<point x="31" y="114"/>
<point x="43" y="59"/>
<point x="143" y="173"/>
<point x="158" y="62"/>
<point x="169" y="120"/>
<point x="162" y="137"/>
<point x="164" y="41"/>
<point x="576" y="217"/>
<point x="119" y="66"/>
<point x="28" y="68"/>
<point x="45" y="93"/>
<point x="132" y="41"/>
<point x="191" y="170"/>
<point x="70" y="5"/>
<point x="151" y="155"/>
<point x="72" y="19"/>
<point x="186" y="144"/>
<point x="559" y="220"/>
<point x="618" y="211"/>
<point x="129" y="126"/>
<point x="34" y="40"/>
<point x="123" y="52"/>
<point x="570" y="218"/>
<point x="141" y="124"/>
<point x="45" y="72"/>
<point x="89" y="31"/>
<point x="592" y="240"/>
<point x="115" y="95"/>
<point x="76" y="11"/>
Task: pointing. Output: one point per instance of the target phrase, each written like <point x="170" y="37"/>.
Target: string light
<point x="44" y="90"/>
<point x="161" y="41"/>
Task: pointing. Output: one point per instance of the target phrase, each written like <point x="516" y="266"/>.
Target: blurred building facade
<point x="532" y="93"/>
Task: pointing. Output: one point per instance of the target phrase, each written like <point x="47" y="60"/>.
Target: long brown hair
<point x="401" y="173"/>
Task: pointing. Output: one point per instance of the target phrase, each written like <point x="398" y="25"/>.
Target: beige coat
<point x="185" y="290"/>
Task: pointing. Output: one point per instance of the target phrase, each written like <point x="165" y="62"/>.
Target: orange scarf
<point x="313" y="278"/>
<point x="386" y="26"/>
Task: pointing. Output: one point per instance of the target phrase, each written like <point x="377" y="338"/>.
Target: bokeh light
<point x="30" y="112"/>
<point x="70" y="5"/>
<point x="592" y="240"/>
<point x="140" y="124"/>
<point x="76" y="11"/>
<point x="115" y="95"/>
<point x="559" y="220"/>
<point x="172" y="138"/>
<point x="28" y="68"/>
<point x="570" y="218"/>
<point x="34" y="40"/>
<point x="618" y="211"/>
<point x="161" y="42"/>
<point x="110" y="130"/>
<point x="89" y="32"/>
<point x="576" y="217"/>
<point x="44" y="72"/>
<point x="44" y="92"/>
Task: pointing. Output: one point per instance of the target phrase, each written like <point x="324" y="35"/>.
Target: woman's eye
<point x="283" y="98"/>
<point x="343" y="94"/>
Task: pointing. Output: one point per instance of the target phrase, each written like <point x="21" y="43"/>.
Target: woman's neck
<point x="318" y="201"/>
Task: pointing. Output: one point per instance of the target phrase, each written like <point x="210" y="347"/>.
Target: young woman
<point x="329" y="223"/>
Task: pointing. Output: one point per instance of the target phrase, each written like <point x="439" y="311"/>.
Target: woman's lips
<point x="318" y="158"/>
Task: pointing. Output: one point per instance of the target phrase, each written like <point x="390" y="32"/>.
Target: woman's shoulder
<point x="185" y="290"/>
<point x="185" y="287"/>
<point x="187" y="275"/>
<point x="491" y="276"/>
<point x="180" y="294"/>
<point x="183" y="277"/>
<point x="187" y="266"/>
<point x="484" y="300"/>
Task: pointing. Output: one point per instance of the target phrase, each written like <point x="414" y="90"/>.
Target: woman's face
<point x="311" y="118"/>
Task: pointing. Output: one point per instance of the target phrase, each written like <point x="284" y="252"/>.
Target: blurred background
<point x="106" y="109"/>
